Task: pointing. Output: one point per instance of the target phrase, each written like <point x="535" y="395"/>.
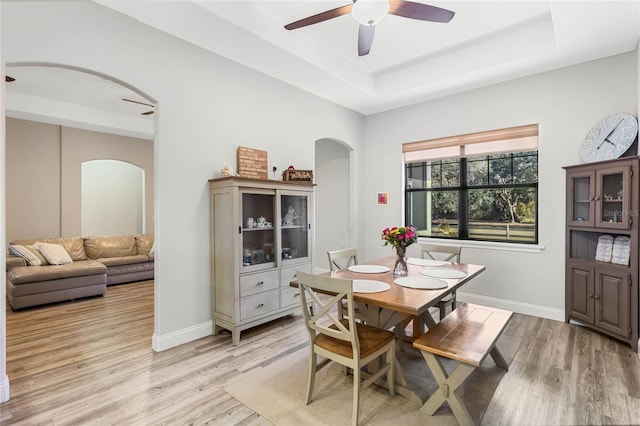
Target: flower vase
<point x="400" y="268"/>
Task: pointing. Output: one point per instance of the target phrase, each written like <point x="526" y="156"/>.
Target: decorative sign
<point x="252" y="163"/>
<point x="295" y="175"/>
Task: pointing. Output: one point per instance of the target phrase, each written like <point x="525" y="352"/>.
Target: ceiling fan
<point x="368" y="13"/>
<point x="141" y="103"/>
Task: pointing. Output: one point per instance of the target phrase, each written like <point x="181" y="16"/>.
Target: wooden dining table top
<point x="403" y="299"/>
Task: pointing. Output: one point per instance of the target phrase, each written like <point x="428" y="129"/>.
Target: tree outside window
<point x="486" y="197"/>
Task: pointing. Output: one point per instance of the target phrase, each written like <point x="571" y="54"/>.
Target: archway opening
<point x="91" y="121"/>
<point x="112" y="198"/>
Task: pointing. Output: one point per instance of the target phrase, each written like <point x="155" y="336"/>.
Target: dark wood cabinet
<point x="602" y="200"/>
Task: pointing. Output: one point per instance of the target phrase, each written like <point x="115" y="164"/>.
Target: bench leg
<point x="448" y="384"/>
<point x="498" y="358"/>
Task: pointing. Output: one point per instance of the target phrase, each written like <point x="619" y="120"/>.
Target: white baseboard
<point x="4" y="389"/>
<point x="511" y="305"/>
<point x="177" y="338"/>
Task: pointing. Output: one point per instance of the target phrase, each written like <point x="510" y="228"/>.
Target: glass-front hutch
<point x="261" y="234"/>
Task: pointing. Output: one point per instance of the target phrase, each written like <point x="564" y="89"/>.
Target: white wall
<point x="206" y="106"/>
<point x="566" y="103"/>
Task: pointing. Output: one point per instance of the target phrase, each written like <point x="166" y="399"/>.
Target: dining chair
<point x="342" y="259"/>
<point x="345" y="341"/>
<point x="445" y="253"/>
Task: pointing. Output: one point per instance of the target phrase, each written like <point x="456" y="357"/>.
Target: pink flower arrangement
<point x="401" y="237"/>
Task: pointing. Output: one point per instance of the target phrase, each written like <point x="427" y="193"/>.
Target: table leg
<point x="387" y="319"/>
<point x="428" y="319"/>
<point x="418" y="327"/>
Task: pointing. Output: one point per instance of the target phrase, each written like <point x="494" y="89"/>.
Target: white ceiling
<point x="410" y="61"/>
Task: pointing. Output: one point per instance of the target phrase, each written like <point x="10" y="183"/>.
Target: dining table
<point x="387" y="301"/>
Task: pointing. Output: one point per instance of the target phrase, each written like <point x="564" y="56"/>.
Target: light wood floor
<point x="89" y="362"/>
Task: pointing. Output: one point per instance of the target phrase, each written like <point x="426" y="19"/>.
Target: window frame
<point x="521" y="138"/>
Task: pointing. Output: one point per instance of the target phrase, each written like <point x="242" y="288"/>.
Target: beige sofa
<point x="96" y="263"/>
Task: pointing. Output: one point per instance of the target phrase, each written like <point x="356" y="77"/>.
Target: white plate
<point x="420" y="282"/>
<point x="426" y="262"/>
<point x="369" y="269"/>
<point x="443" y="273"/>
<point x="369" y="286"/>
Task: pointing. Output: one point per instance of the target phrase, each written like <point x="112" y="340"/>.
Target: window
<point x="482" y="186"/>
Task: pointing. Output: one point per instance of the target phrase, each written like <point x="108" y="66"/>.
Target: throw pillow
<point x="54" y="253"/>
<point x="30" y="254"/>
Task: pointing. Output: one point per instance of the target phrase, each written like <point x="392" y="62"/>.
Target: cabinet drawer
<point x="288" y="274"/>
<point x="259" y="304"/>
<point x="256" y="283"/>
<point x="289" y="296"/>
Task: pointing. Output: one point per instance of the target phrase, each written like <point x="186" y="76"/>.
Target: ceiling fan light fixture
<point x="369" y="12"/>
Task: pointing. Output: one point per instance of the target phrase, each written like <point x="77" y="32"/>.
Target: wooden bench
<point x="467" y="335"/>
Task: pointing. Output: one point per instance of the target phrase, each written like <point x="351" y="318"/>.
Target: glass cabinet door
<point x="258" y="230"/>
<point x="295" y="228"/>
<point x="581" y="192"/>
<point x="612" y="197"/>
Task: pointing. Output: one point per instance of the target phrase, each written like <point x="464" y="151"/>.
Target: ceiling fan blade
<point x="8" y="79"/>
<point x="137" y="102"/>
<point x="365" y="39"/>
<point x="320" y="17"/>
<point x="421" y="11"/>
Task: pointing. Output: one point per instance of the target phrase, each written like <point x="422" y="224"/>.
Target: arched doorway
<point x="87" y="116"/>
<point x="334" y="228"/>
<point x="112" y="198"/>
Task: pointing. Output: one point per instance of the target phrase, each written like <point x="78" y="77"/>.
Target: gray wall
<point x="566" y="103"/>
<point x="206" y="106"/>
<point x="44" y="170"/>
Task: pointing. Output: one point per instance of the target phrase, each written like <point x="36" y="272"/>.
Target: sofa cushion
<point x="73" y="245"/>
<point x="123" y="260"/>
<point x="28" y="274"/>
<point x="144" y="243"/>
<point x="54" y="253"/>
<point x="29" y="253"/>
<point x="99" y="247"/>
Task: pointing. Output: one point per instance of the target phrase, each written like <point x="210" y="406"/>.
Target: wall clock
<point x="609" y="138"/>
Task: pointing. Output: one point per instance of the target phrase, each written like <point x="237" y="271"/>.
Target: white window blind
<point x="513" y="139"/>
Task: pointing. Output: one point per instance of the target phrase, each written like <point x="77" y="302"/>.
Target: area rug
<point x="277" y="392"/>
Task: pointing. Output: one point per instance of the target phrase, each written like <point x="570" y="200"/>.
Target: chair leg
<point x="312" y="375"/>
<point x="453" y="301"/>
<point x="356" y="395"/>
<point x="391" y="374"/>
